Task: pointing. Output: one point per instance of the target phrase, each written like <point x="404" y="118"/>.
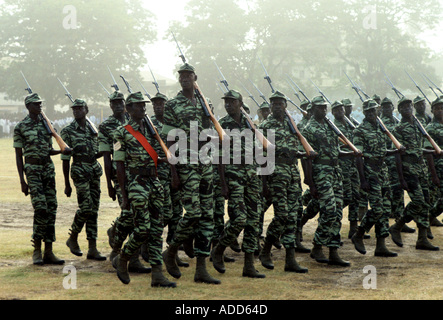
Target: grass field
<point x="412" y="275"/>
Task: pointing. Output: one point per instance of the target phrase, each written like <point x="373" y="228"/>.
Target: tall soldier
<point x="283" y="186"/>
<point x="124" y="223"/>
<point x="33" y="142"/>
<point x="240" y="185"/>
<point x="371" y="140"/>
<point x="328" y="189"/>
<point x="85" y="173"/>
<point x="185" y="112"/>
<point x="409" y="135"/>
<point x="137" y="169"/>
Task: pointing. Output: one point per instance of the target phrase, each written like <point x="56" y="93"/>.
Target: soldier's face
<point x="187" y="79"/>
<point x="79" y="112"/>
<point x="278" y="107"/>
<point x="118" y="107"/>
<point x="159" y="107"/>
<point x="387" y="109"/>
<point x="348" y="110"/>
<point x="338" y="113"/>
<point x="35" y="108"/>
<point x="319" y="111"/>
<point x="232" y="106"/>
<point x="437" y="110"/>
<point x="406" y="110"/>
<point x="371" y="115"/>
<point x="265" y="112"/>
<point x="420" y="107"/>
<point x="137" y="110"/>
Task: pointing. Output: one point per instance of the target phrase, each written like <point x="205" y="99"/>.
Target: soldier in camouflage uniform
<point x="371" y="140"/>
<point x="85" y="173"/>
<point x="409" y="135"/>
<point x="124" y="223"/>
<point x="33" y="142"/>
<point x="435" y="130"/>
<point x="420" y="111"/>
<point x="185" y="112"/>
<point x="263" y="112"/>
<point x="284" y="186"/>
<point x="328" y="188"/>
<point x="137" y="169"/>
<point x="240" y="185"/>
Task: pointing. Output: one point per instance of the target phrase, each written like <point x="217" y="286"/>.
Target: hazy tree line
<point x="306" y="40"/>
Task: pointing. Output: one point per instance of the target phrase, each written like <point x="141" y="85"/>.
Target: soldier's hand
<point x="111" y="192"/>
<point x="225" y="191"/>
<point x="68" y="190"/>
<point x="25" y="188"/>
<point x="67" y="151"/>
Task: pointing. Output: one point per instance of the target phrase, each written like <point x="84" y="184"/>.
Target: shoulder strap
<point x="144" y="142"/>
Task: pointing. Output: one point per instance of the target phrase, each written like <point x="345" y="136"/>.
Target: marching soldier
<point x="185" y="112"/>
<point x="33" y="142"/>
<point x="137" y="170"/>
<point x="420" y="110"/>
<point x="85" y="173"/>
<point x="263" y="112"/>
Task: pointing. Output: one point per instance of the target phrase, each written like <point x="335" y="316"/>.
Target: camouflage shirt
<point x="371" y="140"/>
<point x="163" y="168"/>
<point x="435" y="130"/>
<point x="33" y="138"/>
<point x="412" y="139"/>
<point x="302" y="124"/>
<point x="424" y="119"/>
<point x="346" y="129"/>
<point x="179" y="113"/>
<point x="105" y="134"/>
<point x="322" y="139"/>
<point x="84" y="143"/>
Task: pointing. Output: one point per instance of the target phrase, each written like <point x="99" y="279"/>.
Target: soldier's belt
<point x="145" y="172"/>
<point x="37" y="161"/>
<point x="285" y="161"/>
<point x="326" y="162"/>
<point x="83" y="159"/>
<point x="411" y="158"/>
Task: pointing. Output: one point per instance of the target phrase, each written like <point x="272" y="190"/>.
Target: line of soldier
<point x="189" y="198"/>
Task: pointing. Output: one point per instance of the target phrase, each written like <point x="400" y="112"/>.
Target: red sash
<point x="141" y="138"/>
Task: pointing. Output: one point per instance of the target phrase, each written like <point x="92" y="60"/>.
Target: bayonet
<point x="146" y="91"/>
<point x="250" y="95"/>
<point x="434" y="85"/>
<point x="429" y="85"/>
<point x="225" y="83"/>
<point x="155" y="83"/>
<point x="115" y="86"/>
<point x="321" y="92"/>
<point x="293" y="89"/>
<point x="107" y="92"/>
<point x="260" y="93"/>
<point x="67" y="92"/>
<point x="418" y="87"/>
<point x="300" y="90"/>
<point x="127" y="84"/>
<point x="29" y="87"/>
<point x="268" y="78"/>
<point x="182" y="56"/>
<point x="398" y="93"/>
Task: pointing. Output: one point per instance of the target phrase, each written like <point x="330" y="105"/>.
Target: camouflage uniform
<point x="85" y="173"/>
<point x="39" y="169"/>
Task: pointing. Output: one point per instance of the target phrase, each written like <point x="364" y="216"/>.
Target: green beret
<point x="160" y="96"/>
<point x="186" y="67"/>
<point x="232" y="94"/>
<point x="437" y="102"/>
<point x="418" y="99"/>
<point x="136" y="97"/>
<point x="79" y="103"/>
<point x="370" y="104"/>
<point x="264" y="105"/>
<point x="336" y="104"/>
<point x="347" y="102"/>
<point x="386" y="101"/>
<point x="33" y="97"/>
<point x="116" y="95"/>
<point x="402" y="101"/>
<point x="276" y="95"/>
<point x="319" y="101"/>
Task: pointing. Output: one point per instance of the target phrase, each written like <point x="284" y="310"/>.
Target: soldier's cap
<point x="304" y="104"/>
<point x="403" y="100"/>
<point x="264" y="105"/>
<point x="160" y="96"/>
<point x="437" y="102"/>
<point x="136" y="97"/>
<point x="33" y="97"/>
<point x="347" y="102"/>
<point x="375" y="97"/>
<point x="116" y="95"/>
<point x="336" y="104"/>
<point x="276" y="95"/>
<point x="233" y="94"/>
<point x="319" y="101"/>
<point x="386" y="101"/>
<point x="370" y="104"/>
<point x="309" y="106"/>
<point x="186" y="67"/>
<point x="418" y="99"/>
<point x="79" y="103"/>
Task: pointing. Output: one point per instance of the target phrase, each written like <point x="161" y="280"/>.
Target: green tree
<point x="49" y="40"/>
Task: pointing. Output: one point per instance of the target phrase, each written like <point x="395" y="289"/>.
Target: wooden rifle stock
<point x="63" y="146"/>
<point x="309" y="150"/>
<point x="426" y="134"/>
<point x="265" y="142"/>
<point x="341" y="136"/>
<point x="389" y="134"/>
<point x="171" y="158"/>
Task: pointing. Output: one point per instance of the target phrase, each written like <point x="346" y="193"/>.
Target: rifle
<point x="299" y="90"/>
<point x="250" y="95"/>
<point x="91" y="125"/>
<point x="295" y="91"/>
<point x="107" y="92"/>
<point x="146" y="91"/>
<point x="155" y="81"/>
<point x="418" y="87"/>
<point x="206" y="108"/>
<point x="115" y="86"/>
<point x="259" y="92"/>
<point x="153" y="130"/>
<point x="429" y="85"/>
<point x="433" y="85"/>
<point x="389" y="82"/>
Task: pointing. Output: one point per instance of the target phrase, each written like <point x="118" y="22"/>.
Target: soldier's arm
<point x="66" y="168"/>
<point x="121" y="177"/>
<point x="20" y="169"/>
<point x="399" y="166"/>
<point x="108" y="173"/>
<point x="361" y="173"/>
<point x="431" y="165"/>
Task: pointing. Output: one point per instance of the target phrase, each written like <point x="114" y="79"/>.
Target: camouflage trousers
<point x="397" y="193"/>
<point x="164" y="176"/>
<point x="418" y="208"/>
<point x="219" y="206"/>
<point x="198" y="201"/>
<point x="328" y="181"/>
<point x="177" y="212"/>
<point x="286" y="191"/>
<point x="146" y="195"/>
<point x="243" y="206"/>
<point x="378" y="197"/>
<point x="437" y="205"/>
<point x="86" y="178"/>
<point x="351" y="188"/>
<point x="124" y="224"/>
<point x="42" y="190"/>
